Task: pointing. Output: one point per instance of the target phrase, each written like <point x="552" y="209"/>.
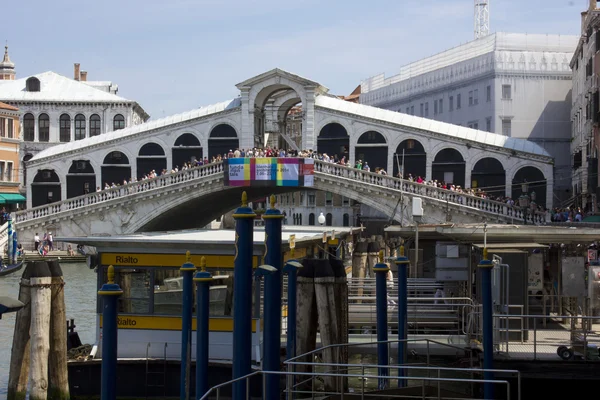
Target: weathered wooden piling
<point x="18" y="375"/>
<point x="40" y="282"/>
<point x="359" y="262"/>
<point x="58" y="379"/>
<point x="323" y="299"/>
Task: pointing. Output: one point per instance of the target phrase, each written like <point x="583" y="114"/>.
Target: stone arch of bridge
<point x="216" y="199"/>
<point x="260" y="94"/>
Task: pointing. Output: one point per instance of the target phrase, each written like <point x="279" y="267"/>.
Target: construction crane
<point x="482" y="18"/>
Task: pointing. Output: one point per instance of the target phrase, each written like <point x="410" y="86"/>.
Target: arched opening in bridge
<point x="187" y="148"/>
<point x="115" y="168"/>
<point x="334" y="141"/>
<point x="222" y="138"/>
<point x="536" y="182"/>
<point x="81" y="179"/>
<point x="412" y="153"/>
<point x="151" y="158"/>
<point x="372" y="149"/>
<point x="489" y="175"/>
<point x="449" y="167"/>
<point x="271" y="106"/>
<point x="45" y="188"/>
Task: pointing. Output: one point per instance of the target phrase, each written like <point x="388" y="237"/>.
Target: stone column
<point x="72" y="130"/>
<point x="468" y="170"/>
<point x="508" y="183"/>
<point x="247" y="130"/>
<point x="36" y="129"/>
<point x="309" y="136"/>
<point x="428" y="168"/>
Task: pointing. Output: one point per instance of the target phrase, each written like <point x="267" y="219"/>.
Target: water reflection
<point x="80" y="298"/>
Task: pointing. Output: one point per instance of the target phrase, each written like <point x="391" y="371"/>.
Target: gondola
<point x="9" y="269"/>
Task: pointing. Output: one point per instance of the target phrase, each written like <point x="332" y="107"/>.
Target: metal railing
<point x="313" y="378"/>
<point x="554" y="337"/>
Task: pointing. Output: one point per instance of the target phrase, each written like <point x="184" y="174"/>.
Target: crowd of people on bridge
<point x="557" y="214"/>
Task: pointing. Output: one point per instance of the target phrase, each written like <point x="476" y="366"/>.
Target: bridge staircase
<point x="379" y="191"/>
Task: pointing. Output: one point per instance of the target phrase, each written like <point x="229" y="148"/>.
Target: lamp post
<point x="291" y="268"/>
<point x="417" y="213"/>
<point x="321" y="219"/>
<point x="524" y="200"/>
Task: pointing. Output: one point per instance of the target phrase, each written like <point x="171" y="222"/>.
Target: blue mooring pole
<point x="110" y="293"/>
<point x="242" y="296"/>
<point x="187" y="270"/>
<point x="291" y="268"/>
<point x="488" y="325"/>
<point x="403" y="264"/>
<point x="381" y="270"/>
<point x="272" y="303"/>
<point x="203" y="280"/>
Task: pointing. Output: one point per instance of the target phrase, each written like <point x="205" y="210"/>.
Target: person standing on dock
<point x="36" y="241"/>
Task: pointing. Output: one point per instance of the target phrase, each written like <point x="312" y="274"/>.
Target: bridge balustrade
<point x="427" y="191"/>
<point x="120" y="191"/>
<point x="385" y="181"/>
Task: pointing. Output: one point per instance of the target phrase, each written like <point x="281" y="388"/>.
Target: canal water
<point x="80" y="298"/>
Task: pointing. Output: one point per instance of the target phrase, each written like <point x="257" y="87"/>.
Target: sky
<point x="175" y="55"/>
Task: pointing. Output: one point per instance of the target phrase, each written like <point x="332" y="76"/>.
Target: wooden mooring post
<point x="58" y="379"/>
<point x="40" y="282"/>
<point x="18" y="375"/>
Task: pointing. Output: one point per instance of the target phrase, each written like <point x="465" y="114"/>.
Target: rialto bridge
<point x="62" y="181"/>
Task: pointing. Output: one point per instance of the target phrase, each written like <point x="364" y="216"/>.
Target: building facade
<point x="56" y="110"/>
<point x="9" y="157"/>
<point x="585" y="117"/>
<point x="516" y="85"/>
<point x="304" y="208"/>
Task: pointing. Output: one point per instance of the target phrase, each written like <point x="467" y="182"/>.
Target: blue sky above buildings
<point x="175" y="55"/>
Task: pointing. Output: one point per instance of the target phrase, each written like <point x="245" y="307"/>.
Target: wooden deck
<point x="60" y="254"/>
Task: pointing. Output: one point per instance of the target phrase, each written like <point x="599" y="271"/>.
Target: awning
<point x="497" y="246"/>
<point x="11" y="198"/>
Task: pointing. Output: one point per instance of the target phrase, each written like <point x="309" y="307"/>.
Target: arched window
<point x="346" y="219"/>
<point x="32" y="84"/>
<point x="299" y="219"/>
<point x="28" y="128"/>
<point x="311" y="219"/>
<point x="329" y="219"/>
<point x="94" y="125"/>
<point x="65" y="128"/>
<point x="79" y="127"/>
<point x="118" y="122"/>
<point x="44" y="127"/>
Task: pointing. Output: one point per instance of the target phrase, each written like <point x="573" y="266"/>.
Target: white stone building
<point x="585" y="112"/>
<point x="56" y="109"/>
<point x="516" y="85"/>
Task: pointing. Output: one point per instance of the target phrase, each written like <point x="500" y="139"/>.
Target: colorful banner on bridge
<point x="269" y="172"/>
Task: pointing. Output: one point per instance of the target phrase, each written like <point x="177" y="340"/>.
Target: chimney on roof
<point x="593" y="4"/>
<point x="83" y="76"/>
<point x="76" y="72"/>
